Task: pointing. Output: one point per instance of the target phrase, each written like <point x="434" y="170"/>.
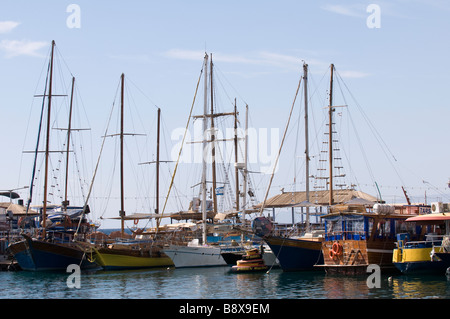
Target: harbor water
<point x="217" y="283"/>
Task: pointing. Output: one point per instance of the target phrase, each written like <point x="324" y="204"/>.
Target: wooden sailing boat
<point x="357" y="233"/>
<point x="357" y="236"/>
<point x="294" y="253"/>
<point x="132" y="254"/>
<point x="54" y="247"/>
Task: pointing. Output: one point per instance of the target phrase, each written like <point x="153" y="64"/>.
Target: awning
<point x="435" y="217"/>
<point x="320" y="198"/>
<point x="12" y="195"/>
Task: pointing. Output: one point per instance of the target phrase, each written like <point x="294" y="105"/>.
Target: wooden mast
<point x="305" y="81"/>
<point x="244" y="188"/>
<point x="330" y="137"/>
<point x="44" y="209"/>
<point x="205" y="111"/>
<point x="213" y="138"/>
<point x="122" y="199"/>
<point x="66" y="202"/>
<point x="236" y="168"/>
<point x="157" y="161"/>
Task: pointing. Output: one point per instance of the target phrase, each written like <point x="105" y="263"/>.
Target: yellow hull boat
<point x="118" y="259"/>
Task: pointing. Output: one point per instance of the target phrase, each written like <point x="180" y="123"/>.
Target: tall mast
<point x="205" y="112"/>
<point x="330" y="137"/>
<point x="305" y="81"/>
<point x="213" y="138"/>
<point x="236" y="168"/>
<point x="44" y="209"/>
<point x="66" y="202"/>
<point x="157" y="161"/>
<point x="244" y="188"/>
<point x="122" y="199"/>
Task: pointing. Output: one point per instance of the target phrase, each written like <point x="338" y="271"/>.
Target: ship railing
<point x="430" y="241"/>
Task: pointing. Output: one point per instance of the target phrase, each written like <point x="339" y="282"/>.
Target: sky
<point x="391" y="55"/>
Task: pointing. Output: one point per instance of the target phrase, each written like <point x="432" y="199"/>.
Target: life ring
<point x="336" y="249"/>
<point x="331" y="254"/>
<point x="136" y="221"/>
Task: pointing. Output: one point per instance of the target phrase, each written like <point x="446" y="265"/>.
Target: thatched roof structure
<point x="319" y="198"/>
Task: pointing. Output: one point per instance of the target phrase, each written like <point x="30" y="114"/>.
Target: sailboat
<point x="297" y="253"/>
<point x="54" y="248"/>
<point x="358" y="233"/>
<point x="134" y="254"/>
<point x="197" y="252"/>
<point x="293" y="253"/>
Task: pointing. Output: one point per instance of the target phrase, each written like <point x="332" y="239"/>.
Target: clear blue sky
<point x="398" y="72"/>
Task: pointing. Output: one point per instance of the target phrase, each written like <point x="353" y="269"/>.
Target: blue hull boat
<point x="296" y="254"/>
<point x="38" y="255"/>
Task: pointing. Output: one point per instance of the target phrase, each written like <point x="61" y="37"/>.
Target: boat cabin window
<point x="411" y="228"/>
<point x="384" y="228"/>
<point x="345" y="227"/>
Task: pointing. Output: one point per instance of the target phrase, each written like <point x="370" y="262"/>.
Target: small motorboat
<point x="252" y="261"/>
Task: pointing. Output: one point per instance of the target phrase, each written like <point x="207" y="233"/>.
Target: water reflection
<point x="218" y="283"/>
<point x="352" y="287"/>
<point x="423" y="287"/>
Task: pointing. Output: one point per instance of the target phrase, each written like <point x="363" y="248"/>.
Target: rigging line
<point x="376" y="134"/>
<point x="181" y="147"/>
<point x="281" y="146"/>
<point x="362" y="151"/>
<point x="220" y="71"/>
<point x="62" y="58"/>
<point x="37" y="142"/>
<point x="131" y="101"/>
<point x="218" y="79"/>
<point x="164" y="138"/>
<point x="142" y="92"/>
<point x="358" y="140"/>
<point x="296" y="144"/>
<point x="30" y="113"/>
<point x="98" y="161"/>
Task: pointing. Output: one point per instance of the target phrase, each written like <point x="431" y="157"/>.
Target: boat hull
<point x="444" y="257"/>
<point x="418" y="261"/>
<point x="357" y="255"/>
<point x="422" y="267"/>
<point x="296" y="254"/>
<point x="118" y="259"/>
<point x="35" y="255"/>
<point x="231" y="258"/>
<point x="195" y="256"/>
